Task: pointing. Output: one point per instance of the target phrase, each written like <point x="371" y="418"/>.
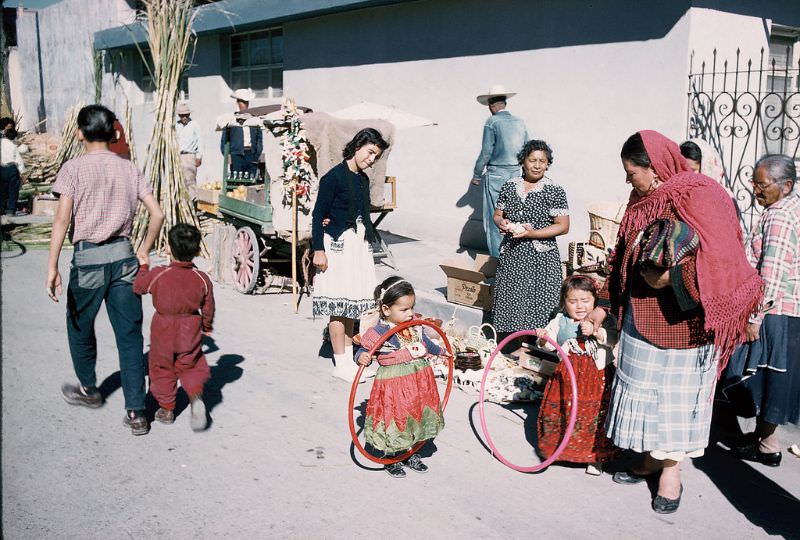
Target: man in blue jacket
<point x="246" y="144"/>
<point x="503" y="137"/>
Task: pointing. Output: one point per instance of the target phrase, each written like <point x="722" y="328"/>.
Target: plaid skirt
<point x="661" y="399"/>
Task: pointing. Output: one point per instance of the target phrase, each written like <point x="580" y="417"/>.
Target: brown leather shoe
<point x="75" y="394"/>
<point x="137" y="421"/>
<point x="165" y="416"/>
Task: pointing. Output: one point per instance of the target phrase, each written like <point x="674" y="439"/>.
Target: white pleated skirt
<point x="345" y="289"/>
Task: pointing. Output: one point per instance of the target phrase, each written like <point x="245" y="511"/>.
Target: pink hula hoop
<point x="572" y="415"/>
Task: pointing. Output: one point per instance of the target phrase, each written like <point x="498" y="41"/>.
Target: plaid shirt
<point x="657" y="313"/>
<point x="772" y="249"/>
<point x="105" y="190"/>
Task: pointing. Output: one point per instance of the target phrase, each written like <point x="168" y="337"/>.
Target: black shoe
<point x="662" y="505"/>
<point x="751" y="453"/>
<point x="628" y="477"/>
<point x="137" y="421"/>
<point x="75" y="394"/>
<point x="395" y="470"/>
<point x="415" y="464"/>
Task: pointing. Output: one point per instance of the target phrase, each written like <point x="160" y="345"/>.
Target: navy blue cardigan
<point x="333" y="203"/>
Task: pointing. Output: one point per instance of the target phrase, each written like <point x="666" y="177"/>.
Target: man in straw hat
<point x="190" y="145"/>
<point x="503" y="137"/>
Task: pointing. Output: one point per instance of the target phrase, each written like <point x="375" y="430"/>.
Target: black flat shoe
<point x="751" y="453"/>
<point x="662" y="505"/>
<point x="628" y="477"/>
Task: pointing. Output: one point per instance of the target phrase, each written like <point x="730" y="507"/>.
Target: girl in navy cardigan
<point x="341" y="235"/>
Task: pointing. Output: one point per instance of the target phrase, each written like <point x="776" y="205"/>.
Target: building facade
<point x="587" y="75"/>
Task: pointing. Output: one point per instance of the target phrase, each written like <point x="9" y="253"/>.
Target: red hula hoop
<point x="572" y="415"/>
<point x="357" y="380"/>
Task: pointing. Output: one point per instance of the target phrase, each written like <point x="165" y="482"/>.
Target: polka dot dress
<point x="529" y="275"/>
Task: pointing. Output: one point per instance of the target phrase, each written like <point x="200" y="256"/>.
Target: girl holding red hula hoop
<point x="404" y="409"/>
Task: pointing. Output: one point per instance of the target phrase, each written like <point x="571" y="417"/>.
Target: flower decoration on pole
<point x="297" y="170"/>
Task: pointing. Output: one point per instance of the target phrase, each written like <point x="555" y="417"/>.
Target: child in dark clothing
<point x="184" y="302"/>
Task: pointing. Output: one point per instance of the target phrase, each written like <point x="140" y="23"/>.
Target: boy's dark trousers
<point x="106" y="272"/>
<point x="9" y="188"/>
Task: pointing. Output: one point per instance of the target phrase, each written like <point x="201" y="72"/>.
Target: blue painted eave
<point x="228" y="16"/>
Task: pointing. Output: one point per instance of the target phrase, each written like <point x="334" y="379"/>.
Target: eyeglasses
<point x="761" y="186"/>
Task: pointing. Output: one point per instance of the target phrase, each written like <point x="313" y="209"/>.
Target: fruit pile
<point x="239" y="192"/>
<point x="211" y="185"/>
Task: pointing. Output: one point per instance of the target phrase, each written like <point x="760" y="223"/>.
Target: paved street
<point x="277" y="460"/>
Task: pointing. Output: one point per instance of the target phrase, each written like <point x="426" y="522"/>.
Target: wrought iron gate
<point x="745" y="111"/>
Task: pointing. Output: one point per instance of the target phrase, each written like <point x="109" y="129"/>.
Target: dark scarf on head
<point x="352" y="214"/>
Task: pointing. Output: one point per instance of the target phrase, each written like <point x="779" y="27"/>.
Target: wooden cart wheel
<point x="246" y="259"/>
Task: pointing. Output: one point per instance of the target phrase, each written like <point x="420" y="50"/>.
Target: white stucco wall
<point x="586" y="76"/>
<point x="584" y="100"/>
<point x="15" y="87"/>
<point x="66" y="32"/>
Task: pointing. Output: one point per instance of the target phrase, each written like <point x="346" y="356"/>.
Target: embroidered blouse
<point x="398" y="349"/>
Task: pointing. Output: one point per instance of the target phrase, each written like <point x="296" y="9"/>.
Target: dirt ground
<point x="277" y="460"/>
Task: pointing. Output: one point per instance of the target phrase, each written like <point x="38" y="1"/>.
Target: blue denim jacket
<point x="503" y="137"/>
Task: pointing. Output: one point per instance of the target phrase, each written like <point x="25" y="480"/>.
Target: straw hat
<point x="183" y="108"/>
<point x="243" y="94"/>
<point x="496" y="90"/>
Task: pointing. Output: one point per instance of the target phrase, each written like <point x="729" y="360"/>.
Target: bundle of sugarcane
<point x="70" y="146"/>
<point x="169" y="25"/>
<point x="31" y="234"/>
<point x="128" y="127"/>
<point x="41" y="166"/>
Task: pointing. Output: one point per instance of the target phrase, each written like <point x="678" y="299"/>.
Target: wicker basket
<point x="604" y="220"/>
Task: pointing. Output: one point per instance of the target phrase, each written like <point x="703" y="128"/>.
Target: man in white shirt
<point x="11" y="167"/>
<point x="191" y="147"/>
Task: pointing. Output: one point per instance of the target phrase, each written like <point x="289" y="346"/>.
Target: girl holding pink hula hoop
<point x="590" y="353"/>
<point x="404" y="407"/>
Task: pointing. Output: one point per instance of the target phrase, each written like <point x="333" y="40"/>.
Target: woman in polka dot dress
<point x="531" y="211"/>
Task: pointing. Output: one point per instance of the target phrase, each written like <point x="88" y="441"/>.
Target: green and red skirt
<point x="403" y="408"/>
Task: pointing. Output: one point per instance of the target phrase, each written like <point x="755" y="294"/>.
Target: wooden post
<point x="295" y="300"/>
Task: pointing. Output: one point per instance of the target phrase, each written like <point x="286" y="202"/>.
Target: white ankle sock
<point x="340" y="359"/>
<point x="348" y="352"/>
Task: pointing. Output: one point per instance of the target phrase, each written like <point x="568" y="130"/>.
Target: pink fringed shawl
<point x="730" y="289"/>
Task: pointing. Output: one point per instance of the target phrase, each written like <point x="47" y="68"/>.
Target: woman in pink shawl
<point x="679" y="324"/>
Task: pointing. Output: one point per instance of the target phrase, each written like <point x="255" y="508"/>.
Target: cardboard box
<point x="532" y="362"/>
<point x="466" y="280"/>
<point x="208" y="208"/>
<point x="44" y="206"/>
<point x="208" y="195"/>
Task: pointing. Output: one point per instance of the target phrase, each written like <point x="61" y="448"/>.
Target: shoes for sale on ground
<point x="415" y="464"/>
<point x="165" y="416"/>
<point x="137" y="421"/>
<point x="75" y="394"/>
<point x="198" y="414"/>
<point x="395" y="470"/>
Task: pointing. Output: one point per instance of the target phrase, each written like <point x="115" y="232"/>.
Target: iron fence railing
<point x="745" y="110"/>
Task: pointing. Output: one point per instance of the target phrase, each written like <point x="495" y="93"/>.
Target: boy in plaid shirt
<point x="98" y="195"/>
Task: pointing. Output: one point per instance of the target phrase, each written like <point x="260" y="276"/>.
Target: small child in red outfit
<point x="184" y="302"/>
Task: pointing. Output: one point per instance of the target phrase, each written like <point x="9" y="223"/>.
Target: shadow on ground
<point x="763" y="502"/>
